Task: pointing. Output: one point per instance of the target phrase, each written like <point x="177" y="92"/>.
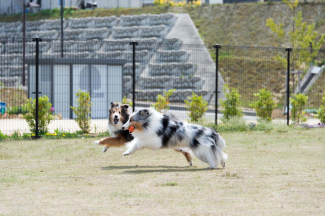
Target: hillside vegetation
<point x="227" y="24"/>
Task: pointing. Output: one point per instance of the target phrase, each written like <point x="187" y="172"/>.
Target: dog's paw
<point x="97" y="142"/>
<point x="125" y="153"/>
<point x="105" y="149"/>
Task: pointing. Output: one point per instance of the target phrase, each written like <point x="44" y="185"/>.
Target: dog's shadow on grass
<point x="152" y="169"/>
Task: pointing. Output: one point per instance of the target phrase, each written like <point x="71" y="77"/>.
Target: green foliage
<point x="302" y="36"/>
<point x="126" y="101"/>
<point x="237" y="124"/>
<point x="232" y="104"/>
<point x="298" y="102"/>
<point x="17" y="110"/>
<point x="264" y="104"/>
<point x="321" y="111"/>
<point x="233" y="124"/>
<point x="162" y="104"/>
<point x="83" y="111"/>
<point x="3" y="136"/>
<point x="44" y="115"/>
<point x="196" y="106"/>
<point x="173" y="3"/>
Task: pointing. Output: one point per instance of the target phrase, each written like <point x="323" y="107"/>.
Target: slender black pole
<point x="37" y="40"/>
<point x="217" y="47"/>
<point x="24" y="35"/>
<point x="62" y="28"/>
<point x="133" y="67"/>
<point x="288" y="85"/>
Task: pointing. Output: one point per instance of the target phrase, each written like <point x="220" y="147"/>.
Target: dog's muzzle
<point x="115" y="120"/>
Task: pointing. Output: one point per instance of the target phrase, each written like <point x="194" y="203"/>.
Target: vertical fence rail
<point x="217" y="47"/>
<point x="62" y="32"/>
<point x="288" y="85"/>
<point x="133" y="73"/>
<point x="37" y="40"/>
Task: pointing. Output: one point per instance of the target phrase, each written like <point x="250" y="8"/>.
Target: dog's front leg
<point x="132" y="147"/>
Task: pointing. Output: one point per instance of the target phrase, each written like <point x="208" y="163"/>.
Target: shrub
<point x="196" y="106"/>
<point x="264" y="104"/>
<point x="2" y="136"/>
<point x="298" y="102"/>
<point x="162" y="103"/>
<point x="231" y="104"/>
<point x="321" y="111"/>
<point x="17" y="110"/>
<point x="126" y="101"/>
<point x="175" y="3"/>
<point x="83" y="111"/>
<point x="231" y="125"/>
<point x="44" y="115"/>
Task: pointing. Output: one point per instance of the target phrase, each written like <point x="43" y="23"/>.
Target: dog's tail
<point x="220" y="142"/>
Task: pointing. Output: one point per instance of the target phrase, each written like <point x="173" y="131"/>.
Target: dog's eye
<point x="113" y="111"/>
<point x="119" y="112"/>
<point x="131" y="120"/>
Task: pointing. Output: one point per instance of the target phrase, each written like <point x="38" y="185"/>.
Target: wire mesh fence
<point x="112" y="70"/>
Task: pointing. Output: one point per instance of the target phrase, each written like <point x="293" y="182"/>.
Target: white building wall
<point x="15" y="6"/>
<point x="215" y="1"/>
<point x="119" y="3"/>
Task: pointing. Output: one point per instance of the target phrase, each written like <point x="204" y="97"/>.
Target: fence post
<point x="37" y="40"/>
<point x="62" y="8"/>
<point x="217" y="47"/>
<point x="288" y="83"/>
<point x="133" y="73"/>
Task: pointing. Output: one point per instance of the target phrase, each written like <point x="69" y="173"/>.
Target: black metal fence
<point x="139" y="71"/>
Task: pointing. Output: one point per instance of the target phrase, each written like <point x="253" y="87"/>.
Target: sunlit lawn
<point x="276" y="173"/>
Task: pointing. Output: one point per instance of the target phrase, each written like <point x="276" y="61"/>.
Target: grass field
<point x="275" y="173"/>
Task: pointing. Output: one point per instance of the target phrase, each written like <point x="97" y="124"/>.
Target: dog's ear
<point x="113" y="105"/>
<point x="125" y="106"/>
<point x="144" y="112"/>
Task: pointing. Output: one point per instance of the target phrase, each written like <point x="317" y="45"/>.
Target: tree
<point x="302" y="36"/>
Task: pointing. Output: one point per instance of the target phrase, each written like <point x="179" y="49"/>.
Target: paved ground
<point x="8" y="126"/>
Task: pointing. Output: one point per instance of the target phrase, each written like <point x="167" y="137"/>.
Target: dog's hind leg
<point x="187" y="155"/>
<point x="223" y="157"/>
<point x="206" y="154"/>
<point x="111" y="142"/>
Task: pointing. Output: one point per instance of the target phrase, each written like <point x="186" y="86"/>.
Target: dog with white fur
<point x="154" y="130"/>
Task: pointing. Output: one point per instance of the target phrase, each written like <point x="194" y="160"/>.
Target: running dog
<point x="154" y="130"/>
<point x="118" y="116"/>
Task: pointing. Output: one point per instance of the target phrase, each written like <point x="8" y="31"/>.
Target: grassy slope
<point x="267" y="173"/>
<point x="227" y="24"/>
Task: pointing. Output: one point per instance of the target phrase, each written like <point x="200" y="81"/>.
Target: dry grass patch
<point x="267" y="173"/>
